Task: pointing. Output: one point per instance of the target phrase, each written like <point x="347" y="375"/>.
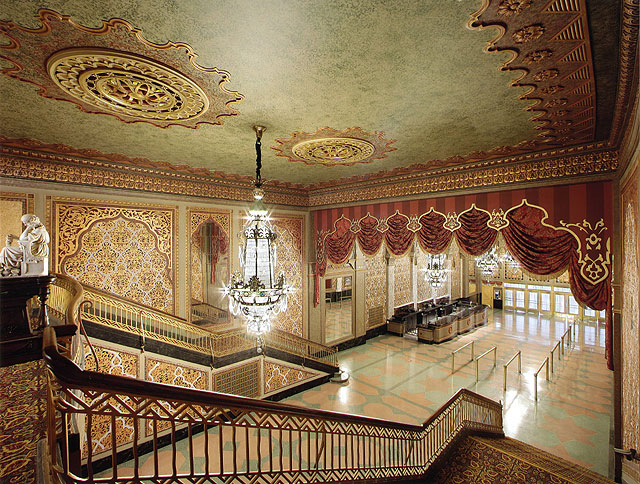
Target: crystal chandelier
<point x="255" y="291"/>
<point x="488" y="262"/>
<point x="436" y="269"/>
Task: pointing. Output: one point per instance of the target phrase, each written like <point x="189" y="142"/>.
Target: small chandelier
<point x="488" y="262"/>
<point x="254" y="291"/>
<point x="436" y="269"/>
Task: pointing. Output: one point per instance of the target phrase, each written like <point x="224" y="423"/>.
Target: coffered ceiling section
<point x="362" y="88"/>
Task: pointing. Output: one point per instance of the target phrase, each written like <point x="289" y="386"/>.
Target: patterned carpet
<point x="22" y="406"/>
<point x="487" y="460"/>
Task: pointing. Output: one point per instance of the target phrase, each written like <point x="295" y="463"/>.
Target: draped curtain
<point x="540" y="248"/>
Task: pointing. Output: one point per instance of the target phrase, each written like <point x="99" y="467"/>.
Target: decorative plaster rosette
<point x="114" y="70"/>
<point x="330" y="147"/>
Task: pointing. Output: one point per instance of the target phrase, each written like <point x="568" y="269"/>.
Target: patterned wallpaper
<point x="402" y="281"/>
<point x="290" y="243"/>
<point x="630" y="315"/>
<point x="277" y="376"/>
<point x="118" y="247"/>
<point x="376" y="289"/>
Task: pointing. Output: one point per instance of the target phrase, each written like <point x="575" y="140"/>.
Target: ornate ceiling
<point x="348" y="91"/>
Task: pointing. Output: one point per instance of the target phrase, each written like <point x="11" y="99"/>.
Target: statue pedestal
<point x="18" y="342"/>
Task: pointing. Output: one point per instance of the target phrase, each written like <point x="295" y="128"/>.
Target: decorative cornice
<point x="45" y="166"/>
<point x="36" y="165"/>
<point x="627" y="70"/>
<point x="486" y="176"/>
<point x="172" y="87"/>
<point x="436" y="167"/>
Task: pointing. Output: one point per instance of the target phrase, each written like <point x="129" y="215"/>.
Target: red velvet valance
<point x="541" y="248"/>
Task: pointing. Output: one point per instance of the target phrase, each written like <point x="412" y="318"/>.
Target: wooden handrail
<point x="365" y="448"/>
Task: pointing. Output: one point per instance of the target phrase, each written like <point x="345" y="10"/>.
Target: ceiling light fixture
<point x="436" y="269"/>
<point x="254" y="291"/>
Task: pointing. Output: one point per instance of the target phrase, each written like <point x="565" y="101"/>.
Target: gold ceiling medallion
<point x="330" y="147"/>
<point x="124" y="83"/>
<point x="114" y="70"/>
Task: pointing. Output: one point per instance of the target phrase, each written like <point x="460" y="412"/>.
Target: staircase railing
<point x="207" y="312"/>
<point x="211" y="437"/>
<point x="126" y="315"/>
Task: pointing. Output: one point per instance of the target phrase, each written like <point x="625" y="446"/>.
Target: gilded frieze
<point x="122" y="248"/>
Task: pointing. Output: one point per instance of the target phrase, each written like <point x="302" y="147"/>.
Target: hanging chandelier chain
<point x="259" y="130"/>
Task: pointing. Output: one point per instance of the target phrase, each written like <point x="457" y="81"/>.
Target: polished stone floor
<point x="400" y="379"/>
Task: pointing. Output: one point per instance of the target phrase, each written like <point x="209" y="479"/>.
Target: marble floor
<point x="400" y="379"/>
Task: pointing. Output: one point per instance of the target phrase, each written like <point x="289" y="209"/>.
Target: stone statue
<point x="29" y="257"/>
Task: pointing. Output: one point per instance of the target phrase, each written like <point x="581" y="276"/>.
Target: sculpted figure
<point x="29" y="257"/>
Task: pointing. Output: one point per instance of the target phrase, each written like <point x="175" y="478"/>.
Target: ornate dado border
<point x="488" y="176"/>
<point x="44" y="166"/>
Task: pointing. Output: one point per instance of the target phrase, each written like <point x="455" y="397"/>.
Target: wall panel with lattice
<point x="278" y="375"/>
<point x="243" y="380"/>
<point x="290" y="254"/>
<point x="123" y="248"/>
<point x="402" y="281"/>
<point x="113" y="362"/>
<point x="376" y="289"/>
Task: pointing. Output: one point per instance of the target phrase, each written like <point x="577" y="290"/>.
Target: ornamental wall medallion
<point x="114" y="70"/>
<point x="330" y="147"/>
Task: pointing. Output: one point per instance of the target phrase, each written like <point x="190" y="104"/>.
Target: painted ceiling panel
<point x="411" y="70"/>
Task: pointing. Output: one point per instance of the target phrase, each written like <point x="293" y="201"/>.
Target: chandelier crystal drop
<point x="254" y="291"/>
<point x="436" y="270"/>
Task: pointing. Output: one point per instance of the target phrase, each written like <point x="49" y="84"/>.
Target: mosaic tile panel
<point x="376" y="289"/>
<point x="277" y="376"/>
<point x="112" y="362"/>
<point x="402" y="281"/>
<point x="117" y="247"/>
<point x="22" y="407"/>
<point x="290" y="243"/>
<point x="630" y="315"/>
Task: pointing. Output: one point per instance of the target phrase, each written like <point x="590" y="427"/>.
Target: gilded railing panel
<point x="218" y="438"/>
<point x="129" y="316"/>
